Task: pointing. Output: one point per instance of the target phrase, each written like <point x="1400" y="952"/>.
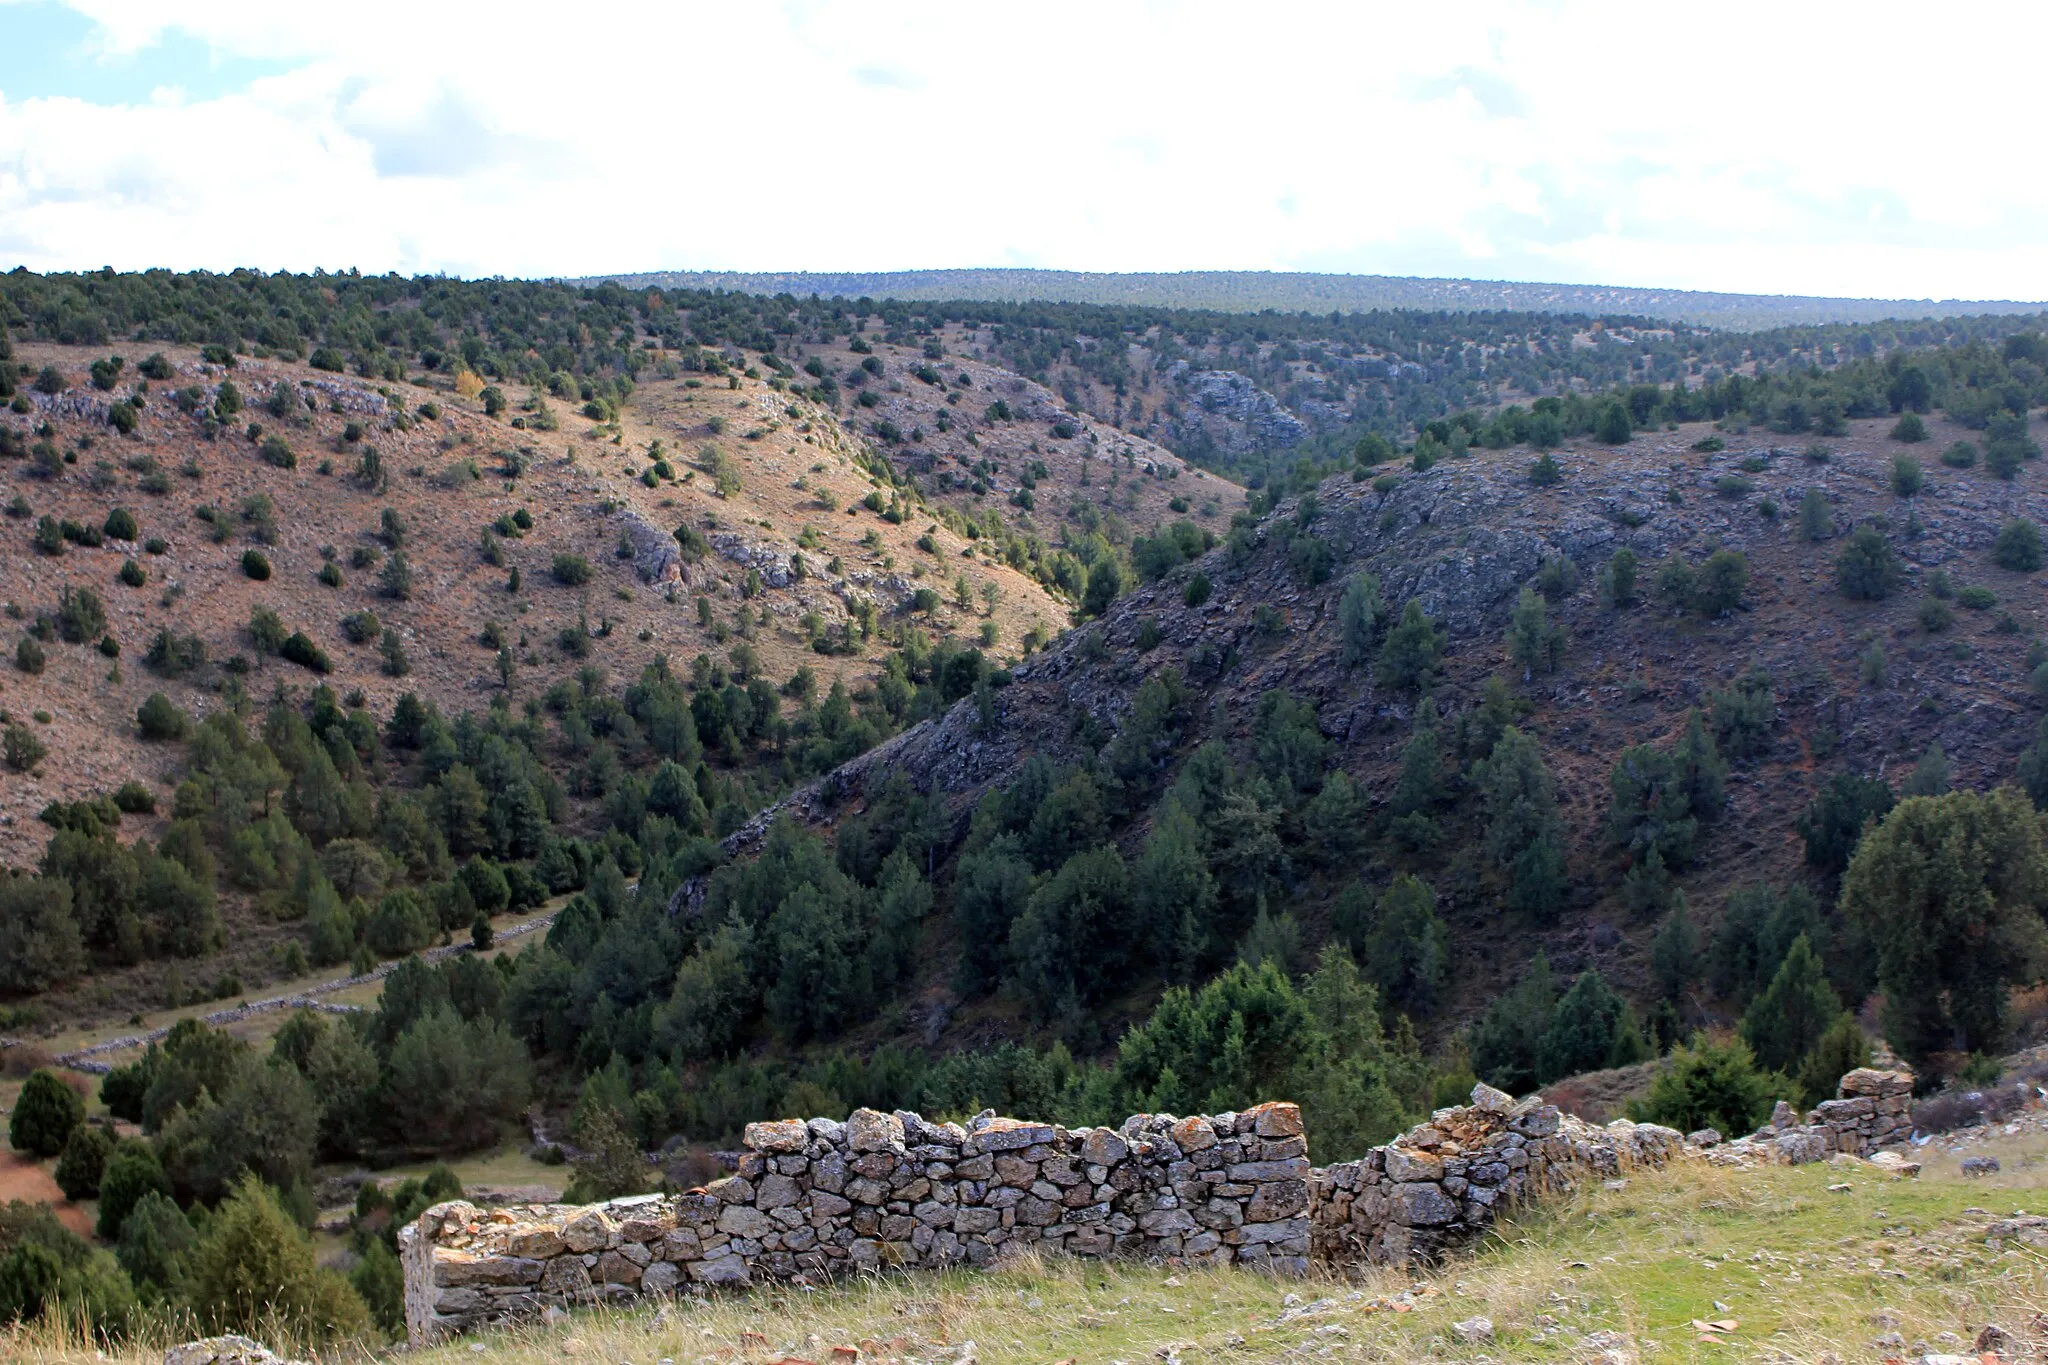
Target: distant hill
<point x="1249" y="291"/>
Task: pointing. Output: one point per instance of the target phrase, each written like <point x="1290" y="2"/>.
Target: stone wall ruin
<point x="811" y="1200"/>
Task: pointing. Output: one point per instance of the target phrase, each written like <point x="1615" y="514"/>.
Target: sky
<point x="1879" y="150"/>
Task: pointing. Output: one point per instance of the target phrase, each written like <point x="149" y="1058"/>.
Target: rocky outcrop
<point x="1228" y="411"/>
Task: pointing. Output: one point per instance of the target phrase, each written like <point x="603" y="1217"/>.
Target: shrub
<point x="2018" y="546"/>
<point x="1976" y="598"/>
<point x="132" y="574"/>
<point x="1910" y="428"/>
<point x="160" y="720"/>
<point x="571" y="570"/>
<point x="254" y="1270"/>
<point x="1867" y="570"/>
<point x="120" y="525"/>
<point x="134" y="798"/>
<point x="330" y="574"/>
<point x="256" y="565"/>
<point x="48" y="538"/>
<point x="81" y="615"/>
<point x="1906" y="476"/>
<point x="28" y="656"/>
<point x="44" y="1115"/>
<point x="361" y="627"/>
<point x="396" y="580"/>
<point x="1710" y="1084"/>
<point x="299" y="649"/>
<point x="1959" y="455"/>
<point x="276" y="451"/>
<point x="84" y="1161"/>
<point x="1546" y="471"/>
<point x="21" y="749"/>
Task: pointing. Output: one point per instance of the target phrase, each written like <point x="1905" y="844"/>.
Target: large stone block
<point x="1869" y="1082"/>
<point x="785" y="1135"/>
<point x="1423" y="1205"/>
<point x="1407" y="1166"/>
<point x="1255" y="1172"/>
<point x="1007" y="1135"/>
<point x="590" y="1230"/>
<point x="869" y="1130"/>
<point x="728" y="1269"/>
<point x="1280" y="1199"/>
<point x="456" y="1268"/>
<point x="1275" y="1120"/>
<point x="1104" y="1147"/>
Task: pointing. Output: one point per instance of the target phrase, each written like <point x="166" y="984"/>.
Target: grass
<point x="1803" y="1269"/>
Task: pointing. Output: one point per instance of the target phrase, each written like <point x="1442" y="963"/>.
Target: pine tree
<point x="1838" y="1051"/>
<point x="1534" y="645"/>
<point x="1675" y="958"/>
<point x="1361" y="616"/>
<point x="1407" y="950"/>
<point x="1505" y="1042"/>
<point x="1788" y="1017"/>
<point x="1409" y="657"/>
<point x="1583" y="1029"/>
<point x="1524" y="835"/>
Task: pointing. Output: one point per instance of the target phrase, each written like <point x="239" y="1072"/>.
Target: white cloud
<point x="1751" y="146"/>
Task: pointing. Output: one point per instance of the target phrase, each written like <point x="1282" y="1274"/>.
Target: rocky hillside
<point x="1861" y="686"/>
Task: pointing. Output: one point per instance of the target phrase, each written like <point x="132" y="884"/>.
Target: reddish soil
<point x="31" y="1182"/>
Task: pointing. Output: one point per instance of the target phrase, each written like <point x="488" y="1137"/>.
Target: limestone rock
<point x="227" y="1350"/>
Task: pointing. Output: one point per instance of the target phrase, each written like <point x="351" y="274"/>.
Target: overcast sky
<point x="1793" y="147"/>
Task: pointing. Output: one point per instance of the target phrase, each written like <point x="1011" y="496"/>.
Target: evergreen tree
<point x="902" y="901"/>
<point x="1838" y="816"/>
<point x="1788" y="1017"/>
<point x="1524" y="835"/>
<point x="1409" y="657"/>
<point x="45" y="1114"/>
<point x="1867" y="570"/>
<point x="1506" y="1041"/>
<point x="1173" y="892"/>
<point x="1949" y="889"/>
<point x="254" y="1270"/>
<point x="1675" y="957"/>
<point x="1533" y="644"/>
<point x="1584" y="1029"/>
<point x="1071" y="943"/>
<point x="991" y="887"/>
<point x="1839" y="1051"/>
<point x="1361" y="616"/>
<point x="1710" y="1083"/>
<point x="1407" y="949"/>
<point x="1930" y="776"/>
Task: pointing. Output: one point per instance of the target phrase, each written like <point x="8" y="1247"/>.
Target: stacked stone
<point x="1445" y="1181"/>
<point x="813" y="1199"/>
<point x="1872" y="1109"/>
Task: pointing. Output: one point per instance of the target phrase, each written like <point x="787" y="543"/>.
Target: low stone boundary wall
<point x="814" y="1199"/>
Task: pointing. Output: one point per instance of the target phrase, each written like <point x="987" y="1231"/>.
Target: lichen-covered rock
<point x="228" y="1350"/>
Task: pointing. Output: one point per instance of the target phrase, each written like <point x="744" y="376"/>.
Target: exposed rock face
<point x="656" y="556"/>
<point x="1227" y="410"/>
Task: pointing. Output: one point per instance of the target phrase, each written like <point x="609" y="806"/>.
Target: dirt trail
<point x="84" y="1058"/>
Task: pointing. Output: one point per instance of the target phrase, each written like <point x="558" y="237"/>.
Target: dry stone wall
<point x="813" y="1199"/>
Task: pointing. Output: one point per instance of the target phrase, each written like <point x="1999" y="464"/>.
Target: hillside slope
<point x="787" y="556"/>
<point x="1463" y="540"/>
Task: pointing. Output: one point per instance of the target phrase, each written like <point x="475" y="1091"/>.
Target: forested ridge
<point x="1668" y="704"/>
